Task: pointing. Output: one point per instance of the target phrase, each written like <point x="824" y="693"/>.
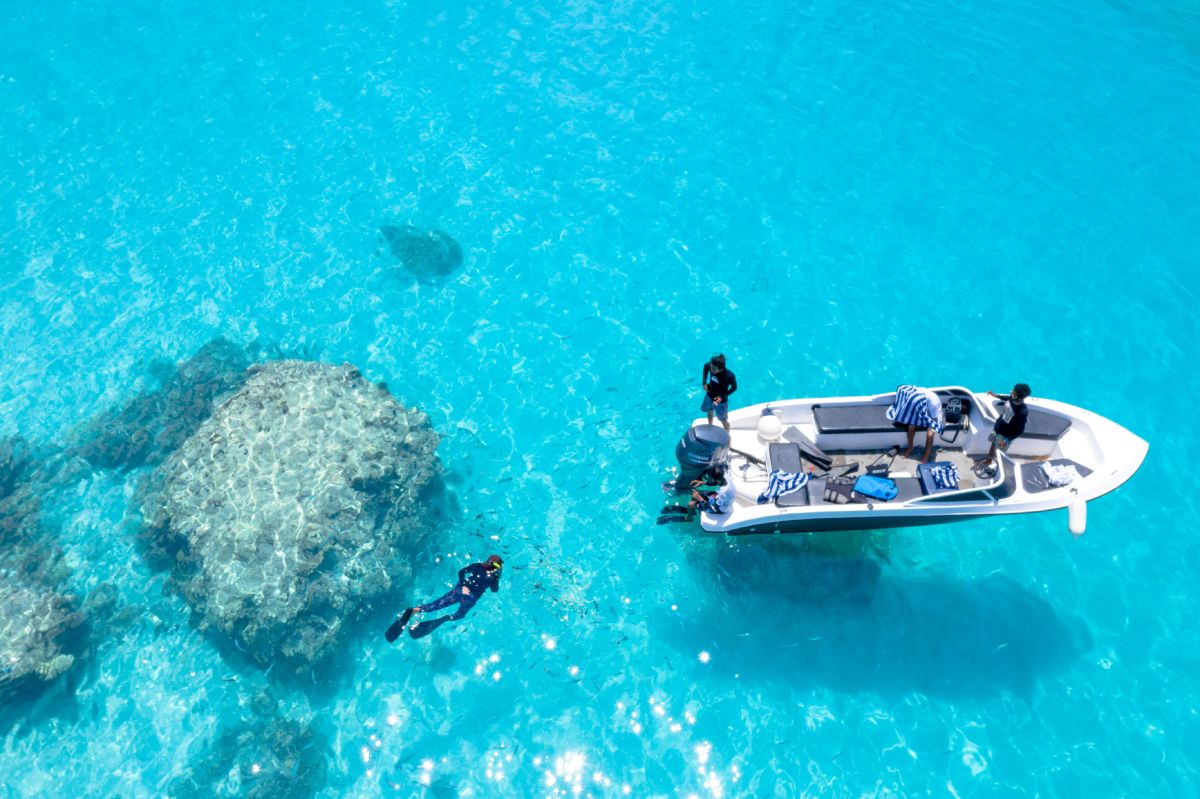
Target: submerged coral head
<point x="282" y="527"/>
<point x="428" y="254"/>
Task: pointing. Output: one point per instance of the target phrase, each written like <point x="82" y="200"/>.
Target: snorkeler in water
<point x="473" y="580"/>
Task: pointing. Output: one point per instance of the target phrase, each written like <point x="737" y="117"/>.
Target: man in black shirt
<point x="718" y="383"/>
<point x="1012" y="420"/>
<point x="473" y="580"/>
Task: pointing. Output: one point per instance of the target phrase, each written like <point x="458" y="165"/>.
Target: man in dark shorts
<point x="1011" y="423"/>
<point x="473" y="580"/>
<point x="718" y="383"/>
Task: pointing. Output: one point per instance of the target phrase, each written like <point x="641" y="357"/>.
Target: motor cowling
<point x="701" y="447"/>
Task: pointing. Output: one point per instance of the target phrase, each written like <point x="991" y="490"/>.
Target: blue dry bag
<point x="876" y="487"/>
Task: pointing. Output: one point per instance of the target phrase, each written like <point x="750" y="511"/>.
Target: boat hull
<point x="1106" y="454"/>
<point x="810" y="525"/>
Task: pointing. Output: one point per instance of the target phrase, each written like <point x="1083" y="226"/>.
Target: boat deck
<point x="907" y="467"/>
<point x="752" y="478"/>
<point x="900" y="467"/>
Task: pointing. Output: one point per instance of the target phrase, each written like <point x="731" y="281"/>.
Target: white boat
<point x="830" y="434"/>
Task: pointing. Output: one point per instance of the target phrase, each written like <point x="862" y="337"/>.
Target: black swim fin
<point x="397" y="627"/>
<point x="424" y="628"/>
<point x="674" y="509"/>
<point x="673" y="517"/>
<point x="808" y="448"/>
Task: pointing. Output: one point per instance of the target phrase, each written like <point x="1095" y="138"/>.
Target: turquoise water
<point x="839" y="198"/>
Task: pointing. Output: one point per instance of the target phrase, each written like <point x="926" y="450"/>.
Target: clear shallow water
<point x="839" y="199"/>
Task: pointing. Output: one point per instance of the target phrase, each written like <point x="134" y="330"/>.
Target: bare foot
<point x="907" y="453"/>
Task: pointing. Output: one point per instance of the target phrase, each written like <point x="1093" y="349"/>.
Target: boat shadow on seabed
<point x="848" y="624"/>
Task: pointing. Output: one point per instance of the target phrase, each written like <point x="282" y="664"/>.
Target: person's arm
<point x="732" y="387"/>
<point x="704" y="378"/>
<point x="495" y="586"/>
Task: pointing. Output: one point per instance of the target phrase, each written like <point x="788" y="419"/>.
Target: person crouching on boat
<point x="718" y="383"/>
<point x="710" y="479"/>
<point x="1011" y="423"/>
<point x="719" y="501"/>
<point x="916" y="407"/>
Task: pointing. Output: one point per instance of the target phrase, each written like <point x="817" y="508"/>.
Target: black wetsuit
<point x="476" y="578"/>
<point x="718" y="384"/>
<point x="1015" y="425"/>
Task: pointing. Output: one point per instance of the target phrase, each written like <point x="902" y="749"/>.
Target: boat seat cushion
<point x="925" y="475"/>
<point x="1043" y="425"/>
<point x="842" y="419"/>
<point x="803" y="497"/>
<point x="786" y="457"/>
<point x="1034" y="479"/>
<point x="852" y="419"/>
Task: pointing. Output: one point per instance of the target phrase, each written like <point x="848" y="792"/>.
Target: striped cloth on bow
<point x="780" y="483"/>
<point x="916" y="406"/>
<point x="944" y="475"/>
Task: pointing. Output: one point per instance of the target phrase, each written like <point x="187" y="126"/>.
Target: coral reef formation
<point x="427" y="254"/>
<point x="282" y="517"/>
<point x="152" y="425"/>
<point x="262" y="756"/>
<point x="36" y="616"/>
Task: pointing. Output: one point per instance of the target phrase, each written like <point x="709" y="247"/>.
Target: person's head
<point x="1021" y="391"/>
<point x="494" y="563"/>
<point x="717" y="362"/>
<point x="718" y="474"/>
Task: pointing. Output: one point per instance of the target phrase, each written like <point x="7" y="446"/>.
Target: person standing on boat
<point x="473" y="581"/>
<point x="718" y="383"/>
<point x="1011" y="423"/>
<point x="916" y="407"/>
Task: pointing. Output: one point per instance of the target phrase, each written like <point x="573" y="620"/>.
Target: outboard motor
<point x="701" y="447"/>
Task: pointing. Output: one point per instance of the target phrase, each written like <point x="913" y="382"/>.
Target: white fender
<point x="1076" y="513"/>
<point x="769" y="428"/>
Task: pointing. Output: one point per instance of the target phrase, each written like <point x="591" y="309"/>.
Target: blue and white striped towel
<point x="916" y="406"/>
<point x="944" y="475"/>
<point x="780" y="483"/>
